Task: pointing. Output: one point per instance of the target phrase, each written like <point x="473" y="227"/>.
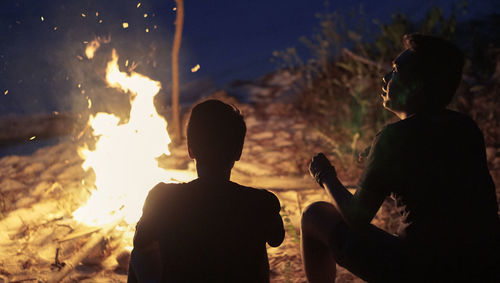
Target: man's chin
<point x="387" y="106"/>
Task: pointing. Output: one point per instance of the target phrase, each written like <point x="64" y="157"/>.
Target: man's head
<point x="215" y="134"/>
<point x="425" y="76"/>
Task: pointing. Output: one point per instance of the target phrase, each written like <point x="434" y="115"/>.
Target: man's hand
<point x="320" y="168"/>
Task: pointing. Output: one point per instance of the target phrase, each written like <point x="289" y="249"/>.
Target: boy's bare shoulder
<point x="164" y="187"/>
<point x="164" y="190"/>
<point x="262" y="195"/>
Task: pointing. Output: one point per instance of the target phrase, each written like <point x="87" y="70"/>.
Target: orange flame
<point x="124" y="159"/>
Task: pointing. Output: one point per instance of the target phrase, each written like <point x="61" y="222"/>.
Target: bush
<point x="339" y="92"/>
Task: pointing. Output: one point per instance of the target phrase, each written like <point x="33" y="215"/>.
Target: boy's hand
<point x="320" y="168"/>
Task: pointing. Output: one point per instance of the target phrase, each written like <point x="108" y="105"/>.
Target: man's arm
<point x="357" y="210"/>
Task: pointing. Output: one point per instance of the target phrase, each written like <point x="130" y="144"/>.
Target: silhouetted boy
<point x="433" y="164"/>
<point x="210" y="229"/>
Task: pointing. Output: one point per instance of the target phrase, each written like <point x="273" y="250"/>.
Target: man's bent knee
<point x="320" y="218"/>
<point x="321" y="210"/>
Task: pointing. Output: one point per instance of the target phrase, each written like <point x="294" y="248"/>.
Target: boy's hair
<point x="216" y="132"/>
<point x="438" y="66"/>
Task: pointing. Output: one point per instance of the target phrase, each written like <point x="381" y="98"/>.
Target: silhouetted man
<point x="432" y="162"/>
<point x="210" y="229"/>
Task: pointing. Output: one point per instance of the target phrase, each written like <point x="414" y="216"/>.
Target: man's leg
<point x="371" y="254"/>
<point x="318" y="223"/>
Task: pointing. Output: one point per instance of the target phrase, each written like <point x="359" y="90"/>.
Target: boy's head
<point x="425" y="75"/>
<point x="215" y="133"/>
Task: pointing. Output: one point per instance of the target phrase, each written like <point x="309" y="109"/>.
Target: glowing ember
<point x="91" y="48"/>
<point x="124" y="159"/>
<point x="195" y="68"/>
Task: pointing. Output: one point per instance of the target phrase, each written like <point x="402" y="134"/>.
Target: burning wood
<point x="42" y="191"/>
<point x="124" y="159"/>
<point x="83" y="252"/>
<point x="57" y="180"/>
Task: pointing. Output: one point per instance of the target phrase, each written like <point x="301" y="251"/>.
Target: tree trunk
<point x="175" y="69"/>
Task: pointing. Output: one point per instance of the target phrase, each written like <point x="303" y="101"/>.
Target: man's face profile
<point x="397" y="86"/>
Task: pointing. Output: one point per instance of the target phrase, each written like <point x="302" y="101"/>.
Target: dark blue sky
<point x="39" y="60"/>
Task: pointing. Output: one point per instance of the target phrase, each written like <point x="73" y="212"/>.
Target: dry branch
<point x="364" y="60"/>
<point x="79" y="234"/>
<point x="24" y="280"/>
<point x="83" y="252"/>
<point x="27" y="217"/>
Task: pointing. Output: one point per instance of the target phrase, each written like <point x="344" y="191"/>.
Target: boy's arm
<point x="276" y="230"/>
<point x="145" y="230"/>
<point x="145" y="264"/>
<point x="145" y="259"/>
<point x="144" y="233"/>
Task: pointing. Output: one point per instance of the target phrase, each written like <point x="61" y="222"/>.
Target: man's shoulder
<point x="446" y="117"/>
<point x="442" y="121"/>
<point x="462" y="121"/>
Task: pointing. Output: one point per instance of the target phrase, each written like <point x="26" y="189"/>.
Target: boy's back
<point x="208" y="230"/>
<point x="212" y="230"/>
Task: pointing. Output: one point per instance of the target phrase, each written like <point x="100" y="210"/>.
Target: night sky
<point x="43" y="67"/>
